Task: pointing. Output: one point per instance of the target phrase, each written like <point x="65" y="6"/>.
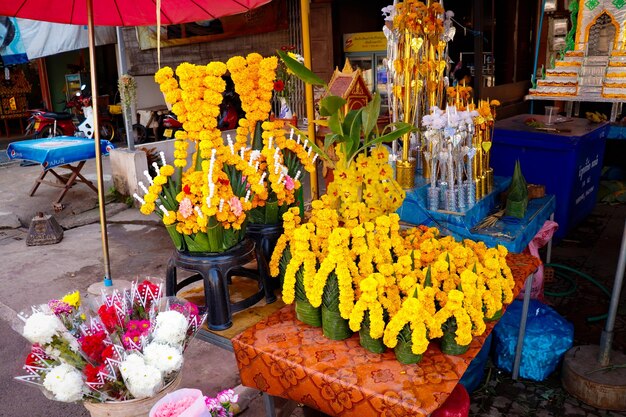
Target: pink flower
<point x="175" y="408"/>
<point x="185" y="208"/>
<point x="289" y="183"/>
<point x="235" y="206"/>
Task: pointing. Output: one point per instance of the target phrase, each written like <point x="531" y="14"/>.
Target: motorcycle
<point x="45" y="124"/>
<point x="171" y="125"/>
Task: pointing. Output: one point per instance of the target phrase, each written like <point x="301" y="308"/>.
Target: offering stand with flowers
<point x="417" y="285"/>
<point x="207" y="207"/>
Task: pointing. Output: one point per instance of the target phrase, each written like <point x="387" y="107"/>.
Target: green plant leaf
<point x="330" y="139"/>
<point x="331" y="104"/>
<point x="177" y="238"/>
<point x="335" y="124"/>
<point x="401" y="130"/>
<point x="257" y="141"/>
<point x="192" y="245"/>
<point x="300" y="70"/>
<point x="370" y="115"/>
<point x="202" y="240"/>
<point x="354" y="132"/>
<point x="316" y="149"/>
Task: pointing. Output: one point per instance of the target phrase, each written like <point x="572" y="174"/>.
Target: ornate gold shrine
<point x="349" y="85"/>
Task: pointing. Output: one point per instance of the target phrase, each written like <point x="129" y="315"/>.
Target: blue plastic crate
<point x="569" y="163"/>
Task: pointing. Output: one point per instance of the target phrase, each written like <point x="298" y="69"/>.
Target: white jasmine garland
<point x="165" y="358"/>
<point x="142" y="380"/>
<point x="65" y="382"/>
<point x="170" y="328"/>
<point x="40" y="328"/>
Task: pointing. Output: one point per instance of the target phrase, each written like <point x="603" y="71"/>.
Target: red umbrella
<point x="125" y="12"/>
<point x="119" y="13"/>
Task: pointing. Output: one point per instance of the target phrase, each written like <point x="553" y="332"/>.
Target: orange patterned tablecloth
<point x="286" y="358"/>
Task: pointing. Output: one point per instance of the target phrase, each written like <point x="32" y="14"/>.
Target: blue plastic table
<point x="58" y="152"/>
<point x="514" y="234"/>
<point x="567" y="161"/>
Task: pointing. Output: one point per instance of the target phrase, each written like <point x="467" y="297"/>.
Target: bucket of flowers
<point x="118" y="354"/>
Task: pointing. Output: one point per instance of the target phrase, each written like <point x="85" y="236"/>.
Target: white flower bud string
<point x="141" y="200"/>
<point x="143" y="187"/>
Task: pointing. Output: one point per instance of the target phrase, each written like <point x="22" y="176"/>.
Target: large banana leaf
<point x="300" y="70"/>
<point x="330" y="105"/>
<point x="370" y="115"/>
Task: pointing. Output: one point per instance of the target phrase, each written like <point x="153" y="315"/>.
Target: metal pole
<point x="96" y="134"/>
<point x="606" y="340"/>
<point x="308" y="88"/>
<point x="538" y="35"/>
<point x="122" y="69"/>
<point x="517" y="360"/>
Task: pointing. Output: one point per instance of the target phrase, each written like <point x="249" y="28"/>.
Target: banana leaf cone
<point x="517" y="199"/>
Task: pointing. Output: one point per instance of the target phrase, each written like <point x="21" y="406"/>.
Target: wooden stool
<point x="216" y="272"/>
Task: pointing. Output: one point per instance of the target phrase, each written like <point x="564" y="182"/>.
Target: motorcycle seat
<point x="58" y="116"/>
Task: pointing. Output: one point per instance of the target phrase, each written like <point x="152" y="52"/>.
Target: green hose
<point x="574" y="286"/>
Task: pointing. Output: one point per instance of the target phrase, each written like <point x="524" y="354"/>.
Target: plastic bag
<point x="542" y="237"/>
<point x="197" y="408"/>
<point x="548" y="336"/>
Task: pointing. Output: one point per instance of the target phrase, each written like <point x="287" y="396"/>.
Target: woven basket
<point x="130" y="408"/>
<point x="536" y="191"/>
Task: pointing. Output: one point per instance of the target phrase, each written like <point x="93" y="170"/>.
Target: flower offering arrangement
<point x="351" y="263"/>
<point x="125" y="345"/>
<point x="205" y="208"/>
<point x="457" y="143"/>
<point x="417" y="37"/>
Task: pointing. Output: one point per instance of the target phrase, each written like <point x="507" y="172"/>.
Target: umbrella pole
<point x="96" y="133"/>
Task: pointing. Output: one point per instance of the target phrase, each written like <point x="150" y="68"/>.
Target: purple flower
<point x="227" y="396"/>
<point x="59" y="307"/>
<point x="212" y="404"/>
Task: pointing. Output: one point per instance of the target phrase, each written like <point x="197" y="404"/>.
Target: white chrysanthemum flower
<point x="40" y="327"/>
<point x="165" y="358"/>
<point x="170" y="328"/>
<point x="142" y="380"/>
<point x="65" y="382"/>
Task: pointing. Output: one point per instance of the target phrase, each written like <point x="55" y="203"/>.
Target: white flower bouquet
<point x="127" y="345"/>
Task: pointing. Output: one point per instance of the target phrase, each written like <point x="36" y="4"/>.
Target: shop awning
<point x="42" y="39"/>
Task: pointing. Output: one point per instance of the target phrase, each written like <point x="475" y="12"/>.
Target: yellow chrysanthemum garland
<point x="253" y="77"/>
<point x="404" y="264"/>
<point x="254" y="81"/>
<point x="205" y="208"/>
<point x="367" y="179"/>
<point x="368" y="302"/>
